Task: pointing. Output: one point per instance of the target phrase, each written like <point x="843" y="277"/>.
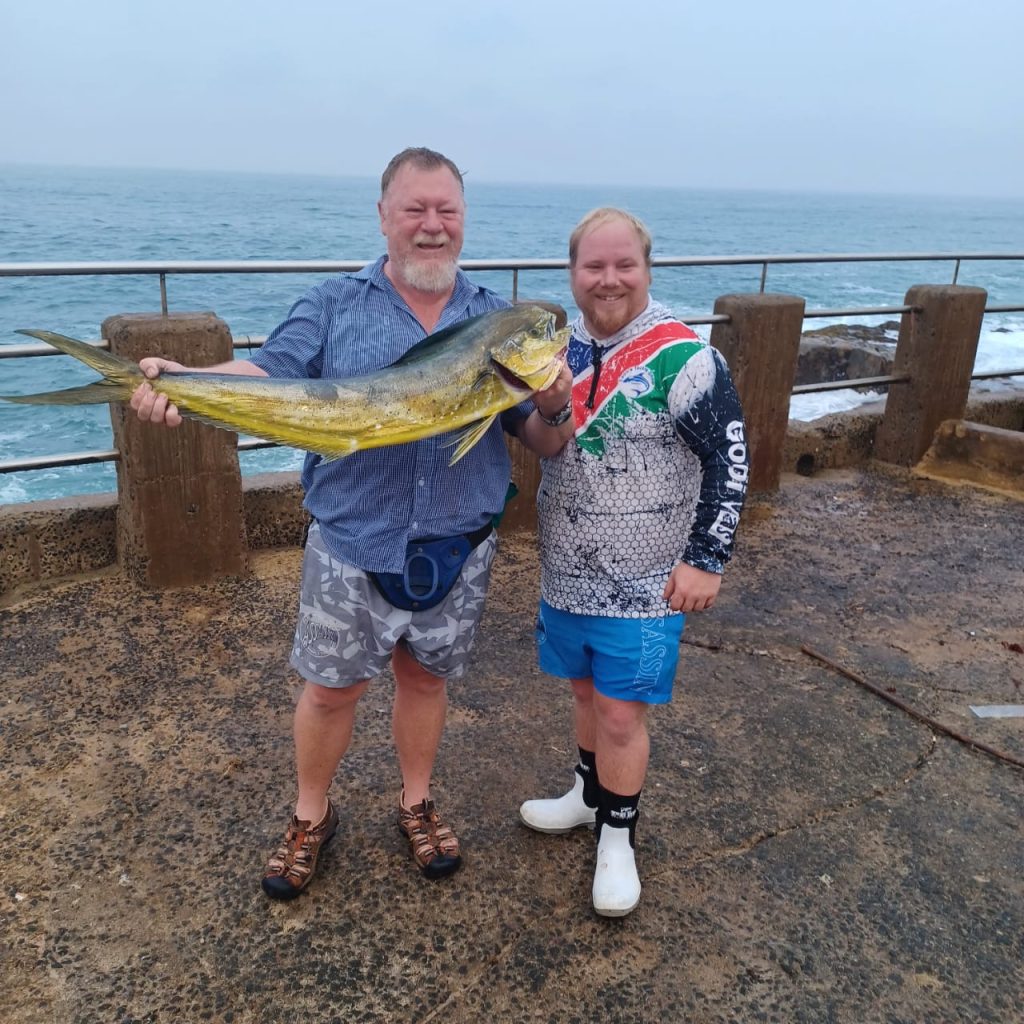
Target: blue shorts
<point x="628" y="659"/>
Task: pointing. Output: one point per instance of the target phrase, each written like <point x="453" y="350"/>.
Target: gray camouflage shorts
<point x="347" y="629"/>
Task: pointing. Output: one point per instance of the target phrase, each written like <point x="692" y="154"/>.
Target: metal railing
<point x="162" y="268"/>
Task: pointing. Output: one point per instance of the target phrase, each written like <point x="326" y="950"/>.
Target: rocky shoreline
<point x="847" y="352"/>
<point x="855" y="351"/>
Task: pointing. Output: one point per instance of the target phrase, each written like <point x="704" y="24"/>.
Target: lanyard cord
<point x="595" y="362"/>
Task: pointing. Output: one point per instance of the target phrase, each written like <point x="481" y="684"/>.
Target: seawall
<point x="48" y="540"/>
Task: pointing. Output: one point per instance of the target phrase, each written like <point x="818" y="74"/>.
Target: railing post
<point x="761" y="342"/>
<point x="937" y="346"/>
<point x="180" y="514"/>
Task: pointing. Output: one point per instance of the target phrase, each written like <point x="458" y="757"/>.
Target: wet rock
<point x="847" y="352"/>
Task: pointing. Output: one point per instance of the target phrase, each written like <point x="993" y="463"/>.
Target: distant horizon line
<point x="471" y="180"/>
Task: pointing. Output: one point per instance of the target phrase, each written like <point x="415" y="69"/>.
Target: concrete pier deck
<point x="809" y="852"/>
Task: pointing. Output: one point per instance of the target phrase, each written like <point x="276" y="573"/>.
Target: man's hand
<point x="148" y="405"/>
<point x="553" y="398"/>
<point x="690" y="589"/>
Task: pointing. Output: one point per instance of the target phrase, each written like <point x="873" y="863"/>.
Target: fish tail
<point x="121" y="376"/>
<point x="88" y="394"/>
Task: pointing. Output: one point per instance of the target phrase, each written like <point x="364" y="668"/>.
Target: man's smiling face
<point x="422" y="215"/>
<point x="610" y="278"/>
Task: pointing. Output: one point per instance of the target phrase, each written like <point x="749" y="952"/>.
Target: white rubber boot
<point x="616" y="883"/>
<point x="560" y="815"/>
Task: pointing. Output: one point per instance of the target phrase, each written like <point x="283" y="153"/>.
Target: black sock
<point x="617" y="811"/>
<point x="587" y="771"/>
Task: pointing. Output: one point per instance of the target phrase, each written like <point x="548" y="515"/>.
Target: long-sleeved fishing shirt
<point x="655" y="475"/>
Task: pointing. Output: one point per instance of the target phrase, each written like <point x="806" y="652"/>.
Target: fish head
<point x="528" y="352"/>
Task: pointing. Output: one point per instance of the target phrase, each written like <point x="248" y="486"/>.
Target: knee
<point x="619" y="721"/>
<point x="412" y="678"/>
<point x="419" y="683"/>
<point x="583" y="692"/>
<point x="324" y="700"/>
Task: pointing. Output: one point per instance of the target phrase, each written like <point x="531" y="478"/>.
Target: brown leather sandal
<point x="434" y="846"/>
<point x="293" y="865"/>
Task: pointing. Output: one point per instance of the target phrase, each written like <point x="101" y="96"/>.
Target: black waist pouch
<point x="431" y="569"/>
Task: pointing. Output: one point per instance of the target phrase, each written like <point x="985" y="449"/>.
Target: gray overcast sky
<point x="905" y="96"/>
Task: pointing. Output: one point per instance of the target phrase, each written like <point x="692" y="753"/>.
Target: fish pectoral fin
<point x="465" y="439"/>
<point x="482" y="379"/>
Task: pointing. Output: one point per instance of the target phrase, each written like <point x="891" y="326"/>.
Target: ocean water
<point x="61" y="214"/>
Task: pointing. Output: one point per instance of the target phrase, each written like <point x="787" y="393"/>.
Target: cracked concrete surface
<point x="809" y="853"/>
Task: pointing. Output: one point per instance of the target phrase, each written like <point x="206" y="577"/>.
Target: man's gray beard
<point x="430" y="277"/>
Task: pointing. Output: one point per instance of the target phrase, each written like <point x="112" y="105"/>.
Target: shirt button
<point x="421" y="481"/>
<point x="415" y="526"/>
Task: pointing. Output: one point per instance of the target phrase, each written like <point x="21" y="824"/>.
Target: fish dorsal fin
<point x="431" y="341"/>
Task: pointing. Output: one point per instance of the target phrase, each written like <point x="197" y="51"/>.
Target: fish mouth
<point x="537" y="381"/>
<point x="511" y="381"/>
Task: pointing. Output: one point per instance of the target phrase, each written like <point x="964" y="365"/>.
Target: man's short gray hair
<point x="422" y="158"/>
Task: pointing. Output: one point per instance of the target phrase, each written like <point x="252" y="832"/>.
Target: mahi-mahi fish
<point x="460" y="378"/>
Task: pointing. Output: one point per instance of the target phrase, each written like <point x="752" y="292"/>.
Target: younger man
<point x="636" y="521"/>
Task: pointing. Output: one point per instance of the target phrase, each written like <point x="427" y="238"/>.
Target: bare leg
<point x="421" y="703"/>
<point x="623" y="745"/>
<point x="323" y="730"/>
<point x="583" y="712"/>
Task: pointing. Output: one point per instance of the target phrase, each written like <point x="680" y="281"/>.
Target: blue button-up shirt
<point x="371" y="503"/>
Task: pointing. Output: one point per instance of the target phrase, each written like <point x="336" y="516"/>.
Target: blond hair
<point x="603" y="215"/>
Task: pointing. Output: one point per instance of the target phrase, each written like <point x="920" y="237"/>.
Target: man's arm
<point x="709" y="418"/>
<point x="153" y="408"/>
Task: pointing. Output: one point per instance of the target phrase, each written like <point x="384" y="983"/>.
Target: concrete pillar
<point x="180" y="515"/>
<point x="937" y="346"/>
<point x="761" y="343"/>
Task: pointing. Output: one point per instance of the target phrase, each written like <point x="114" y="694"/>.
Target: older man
<point x="637" y="516"/>
<point x="368" y="507"/>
